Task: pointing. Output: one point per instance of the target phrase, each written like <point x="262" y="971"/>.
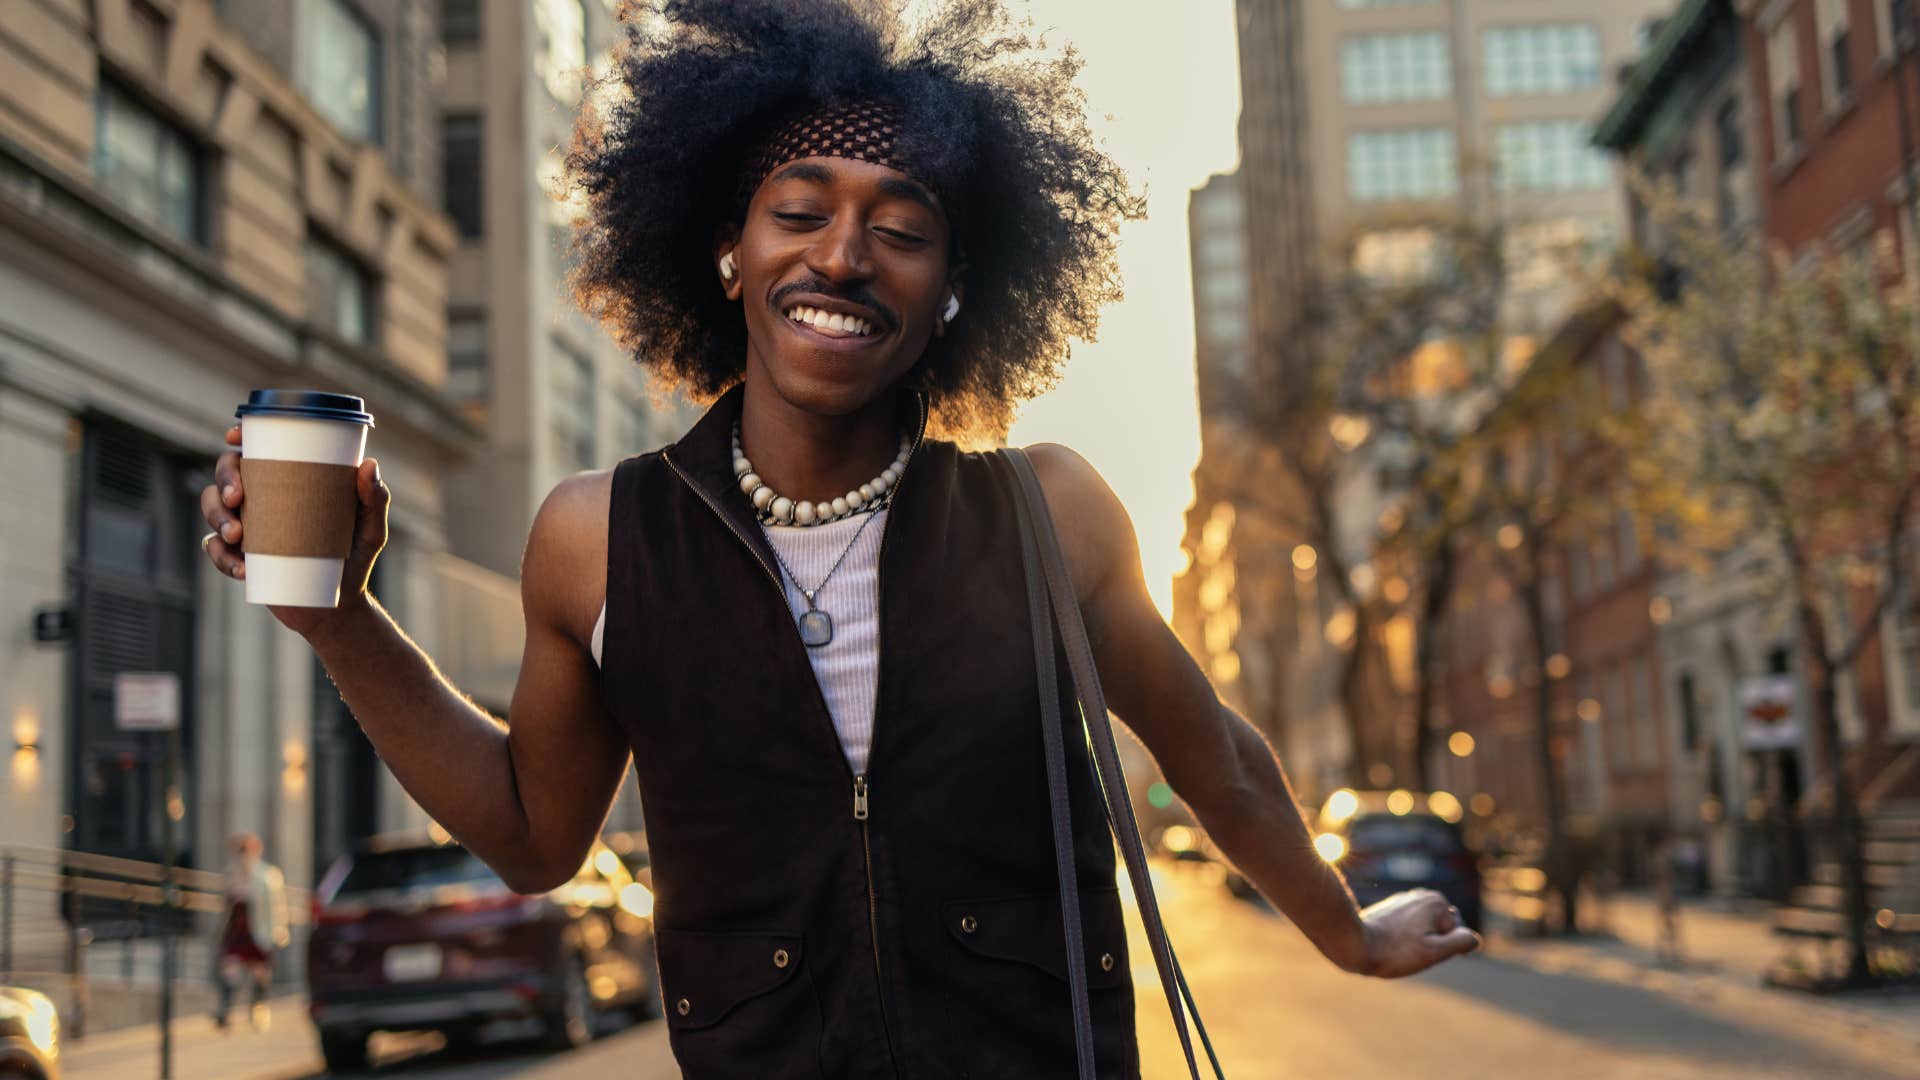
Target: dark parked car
<point x="1388" y="842"/>
<point x="29" y="1035"/>
<point x="411" y="934"/>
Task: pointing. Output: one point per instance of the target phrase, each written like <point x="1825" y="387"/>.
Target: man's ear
<point x="726" y="258"/>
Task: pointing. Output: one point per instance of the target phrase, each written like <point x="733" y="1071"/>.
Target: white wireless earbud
<point x="952" y="309"/>
<point x="726" y="267"/>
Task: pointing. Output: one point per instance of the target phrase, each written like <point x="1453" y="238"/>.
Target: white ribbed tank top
<point x="848" y="667"/>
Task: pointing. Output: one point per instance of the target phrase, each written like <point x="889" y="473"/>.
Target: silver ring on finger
<point x="207" y="542"/>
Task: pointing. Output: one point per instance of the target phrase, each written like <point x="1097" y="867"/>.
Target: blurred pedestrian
<point x="253" y="930"/>
<point x="806" y="623"/>
<point x="1666" y="860"/>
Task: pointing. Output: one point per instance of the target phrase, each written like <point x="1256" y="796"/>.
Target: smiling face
<point x="842" y="270"/>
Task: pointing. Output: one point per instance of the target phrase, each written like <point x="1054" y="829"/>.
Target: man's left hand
<point x="1410" y="932"/>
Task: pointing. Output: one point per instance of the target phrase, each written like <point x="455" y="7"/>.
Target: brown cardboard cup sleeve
<point x="299" y="508"/>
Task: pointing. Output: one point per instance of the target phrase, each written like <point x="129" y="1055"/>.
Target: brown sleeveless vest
<point x="904" y="923"/>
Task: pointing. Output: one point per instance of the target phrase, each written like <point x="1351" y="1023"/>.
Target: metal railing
<point x="90" y="902"/>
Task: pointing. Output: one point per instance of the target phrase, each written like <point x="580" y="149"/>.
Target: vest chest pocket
<point x="739" y="1004"/>
<point x="1009" y="1009"/>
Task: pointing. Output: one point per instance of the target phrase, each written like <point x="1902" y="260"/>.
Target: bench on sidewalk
<point x="1816" y="913"/>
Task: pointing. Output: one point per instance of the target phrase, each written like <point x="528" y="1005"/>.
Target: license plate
<point x="411" y="963"/>
<point x="1409" y="867"/>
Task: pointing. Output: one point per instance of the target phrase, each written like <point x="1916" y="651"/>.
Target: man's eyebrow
<point x="912" y="192"/>
<point x="805" y="170"/>
<point x="813" y="172"/>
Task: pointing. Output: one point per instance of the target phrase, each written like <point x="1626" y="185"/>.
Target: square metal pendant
<point x="816" y="629"/>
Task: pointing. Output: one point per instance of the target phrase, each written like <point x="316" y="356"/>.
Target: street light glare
<point x="1461" y="743"/>
<point x="1331" y="847"/>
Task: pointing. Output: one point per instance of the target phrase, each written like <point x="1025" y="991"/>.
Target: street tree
<point x="1787" y="414"/>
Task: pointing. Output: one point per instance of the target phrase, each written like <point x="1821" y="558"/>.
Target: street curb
<point x="1754" y="1005"/>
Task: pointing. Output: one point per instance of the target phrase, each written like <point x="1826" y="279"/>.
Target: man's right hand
<point x="220" y="504"/>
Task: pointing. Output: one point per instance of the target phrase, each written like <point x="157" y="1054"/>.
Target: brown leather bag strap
<point x="1038" y="538"/>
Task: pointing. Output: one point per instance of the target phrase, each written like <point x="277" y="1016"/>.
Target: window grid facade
<point x="1783" y="83"/>
<point x="339" y="292"/>
<point x="574" y="397"/>
<point x="336" y="64"/>
<point x="1415" y="163"/>
<point x="150" y="168"/>
<point x="460" y="173"/>
<point x="1550" y="155"/>
<point x="1549" y="58"/>
<point x="1396" y="67"/>
<point x="1836" y="71"/>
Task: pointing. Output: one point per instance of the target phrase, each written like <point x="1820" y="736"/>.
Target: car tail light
<point x="505" y="901"/>
<point x="339" y="915"/>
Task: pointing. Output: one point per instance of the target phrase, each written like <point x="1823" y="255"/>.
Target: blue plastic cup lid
<point x="306" y="405"/>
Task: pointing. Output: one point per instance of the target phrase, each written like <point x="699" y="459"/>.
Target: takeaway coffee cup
<point x="300" y="453"/>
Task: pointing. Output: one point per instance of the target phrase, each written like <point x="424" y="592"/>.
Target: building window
<point x="1689" y="694"/>
<point x="459" y="22"/>
<point x="1411" y="164"/>
<point x="1896" y="25"/>
<point x="150" y="168"/>
<point x="468" y="365"/>
<point x="1549" y="58"/>
<point x="339" y="292"/>
<point x="1550" y="155"/>
<point x="1783" y="84"/>
<point x="460" y="172"/>
<point x="1396" y="67"/>
<point x="574" y="398"/>
<point x="1836" y="72"/>
<point x="563" y="46"/>
<point x="1646" y="725"/>
<point x="1730" y="179"/>
<point x="336" y="64"/>
<point x="1616" y="709"/>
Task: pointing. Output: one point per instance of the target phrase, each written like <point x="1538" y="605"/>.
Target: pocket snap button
<point x="684" y="1007"/>
<point x="1106" y="961"/>
<point x="968" y="924"/>
<point x="780" y="958"/>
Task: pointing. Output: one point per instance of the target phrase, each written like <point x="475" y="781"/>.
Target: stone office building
<point x="199" y="198"/>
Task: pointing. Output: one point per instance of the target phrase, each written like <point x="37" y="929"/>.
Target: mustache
<point x="822" y="287"/>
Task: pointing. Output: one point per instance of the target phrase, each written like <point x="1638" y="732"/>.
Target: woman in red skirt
<point x="255" y="927"/>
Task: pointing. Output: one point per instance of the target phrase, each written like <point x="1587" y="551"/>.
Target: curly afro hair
<point x="991" y="121"/>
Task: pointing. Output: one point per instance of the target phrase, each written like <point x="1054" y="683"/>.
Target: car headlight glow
<point x="43" y="1025"/>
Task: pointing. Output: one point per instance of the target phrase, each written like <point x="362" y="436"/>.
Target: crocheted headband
<point x="861" y="130"/>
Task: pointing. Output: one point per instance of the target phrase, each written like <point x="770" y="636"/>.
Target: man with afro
<point x="805" y="624"/>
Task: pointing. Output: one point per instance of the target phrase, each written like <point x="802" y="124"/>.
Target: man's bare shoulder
<point x="1095" y="531"/>
<point x="564" y="570"/>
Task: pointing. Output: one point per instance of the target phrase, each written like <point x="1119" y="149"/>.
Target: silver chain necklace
<point x="816" y="626"/>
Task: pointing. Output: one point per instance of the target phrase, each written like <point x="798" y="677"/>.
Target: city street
<point x="1276" y="1011"/>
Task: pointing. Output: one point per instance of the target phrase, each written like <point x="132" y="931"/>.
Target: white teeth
<point x="826" y="320"/>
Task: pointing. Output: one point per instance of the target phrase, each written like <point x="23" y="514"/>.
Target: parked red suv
<point x="415" y="934"/>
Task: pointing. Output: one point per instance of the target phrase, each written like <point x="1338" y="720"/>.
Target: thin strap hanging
<point x="1053" y="608"/>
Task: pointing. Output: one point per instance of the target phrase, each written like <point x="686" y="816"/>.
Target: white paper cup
<point x="298" y="450"/>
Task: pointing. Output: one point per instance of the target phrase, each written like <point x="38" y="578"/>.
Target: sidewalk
<point x="1725" y="949"/>
<point x="201" y="1051"/>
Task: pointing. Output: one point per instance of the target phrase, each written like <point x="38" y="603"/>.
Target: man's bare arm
<point x="1218" y="763"/>
<point x="526" y="798"/>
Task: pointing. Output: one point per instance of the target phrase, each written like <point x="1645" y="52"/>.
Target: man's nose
<point x="840" y="253"/>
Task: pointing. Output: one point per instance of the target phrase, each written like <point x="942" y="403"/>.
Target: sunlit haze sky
<point x="1168" y="76"/>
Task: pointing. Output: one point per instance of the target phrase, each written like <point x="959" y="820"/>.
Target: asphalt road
<point x="1277" y="1011"/>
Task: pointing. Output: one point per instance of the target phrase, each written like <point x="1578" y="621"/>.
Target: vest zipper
<point x="860" y="808"/>
<point x="860" y="811"/>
